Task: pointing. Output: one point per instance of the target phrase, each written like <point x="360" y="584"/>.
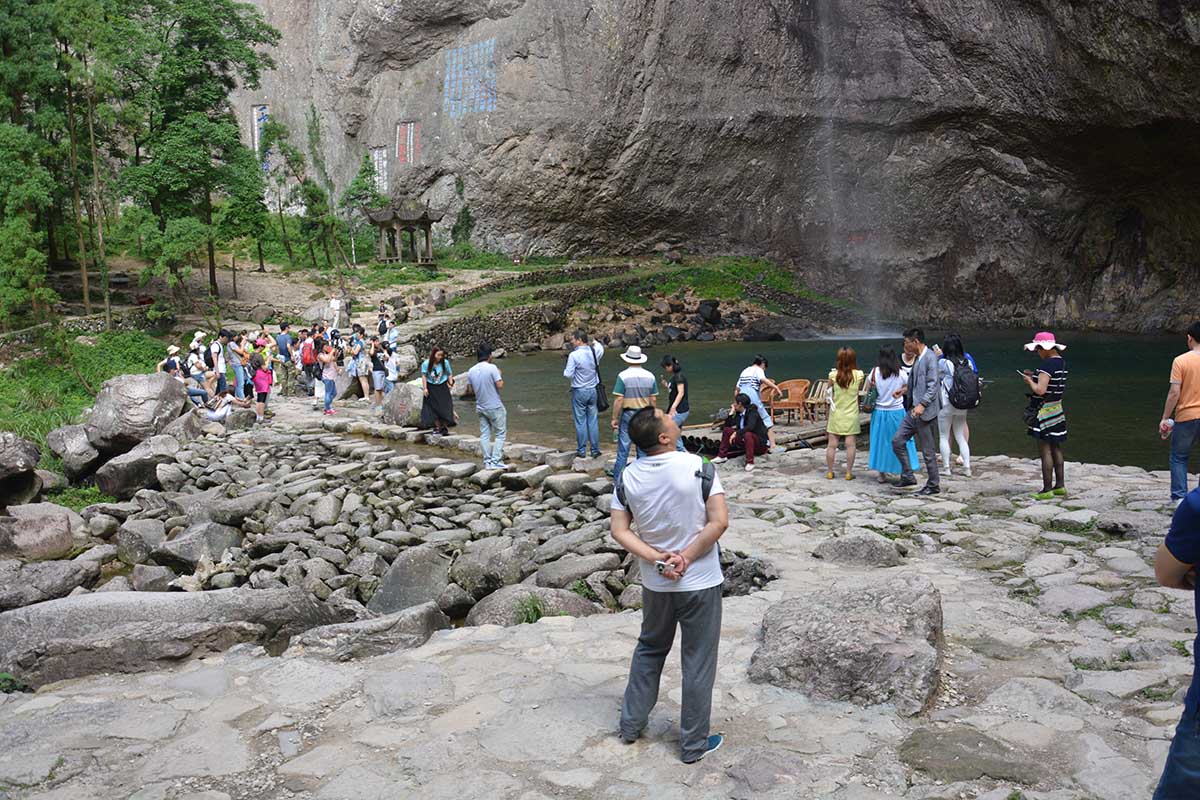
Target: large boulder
<point x="530" y="478"/>
<point x="19" y="482"/>
<point x="417" y="575"/>
<point x="780" y="328"/>
<point x="403" y="630"/>
<point x="745" y="574"/>
<point x="514" y="605"/>
<point x="568" y="569"/>
<point x="324" y="311"/>
<point x="403" y="405"/>
<point x="1133" y="524"/>
<point x="70" y="443"/>
<point x="200" y="539"/>
<point x="868" y="641"/>
<point x="135" y="631"/>
<point x="150" y="578"/>
<point x="137" y="538"/>
<point x="37" y="531"/>
<point x="234" y="510"/>
<point x="122" y="476"/>
<point x="409" y="361"/>
<point x="131" y="409"/>
<point x="866" y="549"/>
<point x="188" y="427"/>
<point x="345" y="386"/>
<point x="565" y="484"/>
<point x="488" y="564"/>
<point x="26" y="584"/>
<point x="710" y="311"/>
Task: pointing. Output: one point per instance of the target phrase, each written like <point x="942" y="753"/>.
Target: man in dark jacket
<point x="744" y="431"/>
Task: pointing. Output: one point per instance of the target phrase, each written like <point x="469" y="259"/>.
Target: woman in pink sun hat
<point x="1044" y="416"/>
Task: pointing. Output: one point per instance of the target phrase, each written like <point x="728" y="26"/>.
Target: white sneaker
<point x="749" y="468"/>
<point x="719" y="460"/>
<point x="967" y="473"/>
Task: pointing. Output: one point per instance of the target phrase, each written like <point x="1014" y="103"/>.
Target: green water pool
<point x="1114" y="397"/>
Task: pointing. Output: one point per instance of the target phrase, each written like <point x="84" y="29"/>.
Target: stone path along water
<point x="1064" y="672"/>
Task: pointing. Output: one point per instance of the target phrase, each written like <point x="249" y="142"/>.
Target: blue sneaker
<point x="714" y="744"/>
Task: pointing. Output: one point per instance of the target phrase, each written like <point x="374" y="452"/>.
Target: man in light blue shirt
<point x="486" y="382"/>
<point x="583" y="369"/>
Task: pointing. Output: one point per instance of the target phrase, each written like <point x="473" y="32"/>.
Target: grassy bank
<point x="371" y="274"/>
<point x="722" y="278"/>
<point x="40" y="393"/>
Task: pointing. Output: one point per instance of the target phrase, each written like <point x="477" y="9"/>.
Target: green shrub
<point x="79" y="497"/>
<point x="10" y="683"/>
<point x="41" y="393"/>
<point x="581" y="588"/>
<point x="530" y="609"/>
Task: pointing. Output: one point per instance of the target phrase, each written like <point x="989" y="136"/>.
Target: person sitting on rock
<point x="680" y="510"/>
<point x="1175" y="568"/>
<point x="221" y="406"/>
<point x="744" y="432"/>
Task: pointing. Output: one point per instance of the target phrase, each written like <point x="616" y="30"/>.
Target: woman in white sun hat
<point x="1044" y="416"/>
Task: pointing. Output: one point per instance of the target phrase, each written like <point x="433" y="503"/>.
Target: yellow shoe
<point x="829" y="475"/>
<point x="849" y="476"/>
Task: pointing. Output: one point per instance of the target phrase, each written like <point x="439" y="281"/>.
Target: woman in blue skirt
<point x="890" y="383"/>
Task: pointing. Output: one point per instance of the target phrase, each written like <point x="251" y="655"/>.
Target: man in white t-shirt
<point x="217" y="351"/>
<point x="676" y="544"/>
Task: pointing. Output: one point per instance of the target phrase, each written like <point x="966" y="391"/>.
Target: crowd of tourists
<point x="924" y="393"/>
<point x="918" y="395"/>
<point x="919" y="398"/>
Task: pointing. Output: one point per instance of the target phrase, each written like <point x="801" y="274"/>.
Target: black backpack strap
<point x="707" y="473"/>
<point x="619" y="491"/>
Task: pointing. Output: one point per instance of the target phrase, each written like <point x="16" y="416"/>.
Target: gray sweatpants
<point x="926" y="434"/>
<point x="699" y="614"/>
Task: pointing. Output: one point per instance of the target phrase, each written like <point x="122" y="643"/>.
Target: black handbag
<point x="601" y="390"/>
<point x="1030" y="414"/>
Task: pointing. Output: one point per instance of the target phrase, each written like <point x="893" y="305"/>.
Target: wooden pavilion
<point x="398" y="217"/>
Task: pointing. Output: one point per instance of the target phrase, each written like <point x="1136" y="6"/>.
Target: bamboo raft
<point x="705" y="439"/>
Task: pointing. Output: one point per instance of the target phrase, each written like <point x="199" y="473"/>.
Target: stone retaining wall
<point x="131" y="319"/>
<point x="511" y="328"/>
<point x="543" y="277"/>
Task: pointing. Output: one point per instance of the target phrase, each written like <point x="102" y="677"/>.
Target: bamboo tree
<point x="103" y="262"/>
<point x="83" y="271"/>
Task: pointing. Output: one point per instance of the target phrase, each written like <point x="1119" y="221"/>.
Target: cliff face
<point x="1002" y="161"/>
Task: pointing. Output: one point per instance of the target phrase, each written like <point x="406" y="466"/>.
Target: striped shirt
<point x="751" y="380"/>
<point x="637" y="386"/>
<point x="1056" y="368"/>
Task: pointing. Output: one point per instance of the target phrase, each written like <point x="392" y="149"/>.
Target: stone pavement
<point x="1063" y="679"/>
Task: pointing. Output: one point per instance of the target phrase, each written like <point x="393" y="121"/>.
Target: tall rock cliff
<point x="1005" y="161"/>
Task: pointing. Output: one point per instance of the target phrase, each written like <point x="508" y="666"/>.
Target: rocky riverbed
<point x="974" y="646"/>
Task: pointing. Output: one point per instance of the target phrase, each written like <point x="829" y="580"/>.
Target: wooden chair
<point x="790" y="399"/>
<point x="769" y="398"/>
<point x="816" y="406"/>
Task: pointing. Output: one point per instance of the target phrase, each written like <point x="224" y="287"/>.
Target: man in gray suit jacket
<point x="925" y="391"/>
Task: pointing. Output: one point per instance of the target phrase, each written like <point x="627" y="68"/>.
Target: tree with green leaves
<point x="183" y="59"/>
<point x="26" y="188"/>
<point x="317" y="222"/>
<point x="362" y="193"/>
<point x="244" y="215"/>
<point x="106" y="101"/>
